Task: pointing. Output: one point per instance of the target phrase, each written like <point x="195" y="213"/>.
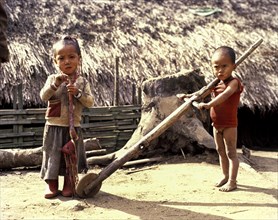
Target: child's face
<point x="222" y="65"/>
<point x="67" y="59"/>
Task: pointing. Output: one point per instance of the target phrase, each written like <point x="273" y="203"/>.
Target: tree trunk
<point x="14" y="158"/>
<point x="155" y="135"/>
<point x="20" y="158"/>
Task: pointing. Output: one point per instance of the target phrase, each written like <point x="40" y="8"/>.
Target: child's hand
<point x="60" y="79"/>
<point x="181" y="96"/>
<point x="72" y="89"/>
<point x="202" y="105"/>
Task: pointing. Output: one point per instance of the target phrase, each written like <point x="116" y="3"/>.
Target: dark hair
<point x="228" y="50"/>
<point x="67" y="40"/>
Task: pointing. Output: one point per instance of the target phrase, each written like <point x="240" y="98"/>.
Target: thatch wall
<point x="152" y="38"/>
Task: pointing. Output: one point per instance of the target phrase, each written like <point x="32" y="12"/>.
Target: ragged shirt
<point x="225" y="114"/>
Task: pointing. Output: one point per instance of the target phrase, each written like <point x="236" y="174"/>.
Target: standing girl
<point x="67" y="57"/>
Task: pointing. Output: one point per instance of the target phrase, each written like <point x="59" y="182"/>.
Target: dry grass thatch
<point x="152" y="38"/>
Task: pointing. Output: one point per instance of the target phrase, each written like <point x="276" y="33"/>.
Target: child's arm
<point x="51" y="85"/>
<point x="182" y="96"/>
<point x="48" y="90"/>
<point x="85" y="97"/>
<point x="231" y="89"/>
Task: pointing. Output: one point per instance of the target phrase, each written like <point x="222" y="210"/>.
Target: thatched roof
<point x="151" y="37"/>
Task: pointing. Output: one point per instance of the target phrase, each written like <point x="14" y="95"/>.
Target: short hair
<point x="228" y="50"/>
<point x="67" y="40"/>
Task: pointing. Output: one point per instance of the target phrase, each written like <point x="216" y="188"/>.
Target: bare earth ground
<point x="178" y="188"/>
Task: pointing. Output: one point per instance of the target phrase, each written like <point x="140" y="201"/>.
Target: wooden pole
<point x="139" y="95"/>
<point x="133" y="94"/>
<point x="20" y="96"/>
<point x="159" y="129"/>
<point x="14" y="97"/>
<point x="145" y="141"/>
<point x="116" y="84"/>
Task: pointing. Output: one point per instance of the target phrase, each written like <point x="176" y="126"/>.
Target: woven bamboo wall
<point x="113" y="126"/>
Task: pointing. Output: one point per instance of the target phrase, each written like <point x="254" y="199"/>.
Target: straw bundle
<point x="152" y="38"/>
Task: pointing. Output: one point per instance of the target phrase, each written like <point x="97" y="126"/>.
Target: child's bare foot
<point x="222" y="182"/>
<point x="229" y="186"/>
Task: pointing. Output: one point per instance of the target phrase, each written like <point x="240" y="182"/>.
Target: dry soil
<point x="177" y="188"/>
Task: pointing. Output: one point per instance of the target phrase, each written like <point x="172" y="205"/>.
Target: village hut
<point x="151" y="38"/>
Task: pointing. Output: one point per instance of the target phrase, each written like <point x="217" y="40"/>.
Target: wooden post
<point x="18" y="104"/>
<point x="14" y="97"/>
<point x="133" y="94"/>
<point x="19" y="96"/>
<point x="139" y="95"/>
<point x="116" y="84"/>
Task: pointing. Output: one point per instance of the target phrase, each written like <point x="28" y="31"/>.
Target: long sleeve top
<point x="57" y="113"/>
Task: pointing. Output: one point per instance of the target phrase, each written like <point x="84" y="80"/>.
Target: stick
<point x="182" y="153"/>
<point x="136" y="162"/>
<point x="96" y="152"/>
<point x="142" y="169"/>
<point x="249" y="51"/>
<point x="205" y="91"/>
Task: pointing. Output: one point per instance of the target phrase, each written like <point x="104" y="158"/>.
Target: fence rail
<point x="113" y="126"/>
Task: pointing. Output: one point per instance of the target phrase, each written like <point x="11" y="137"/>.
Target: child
<point x="223" y="112"/>
<point x="67" y="57"/>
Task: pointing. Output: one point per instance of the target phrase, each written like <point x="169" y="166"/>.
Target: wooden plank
<point x="101" y="129"/>
<point x="6" y="140"/>
<point x="114" y="108"/>
<point x="21" y="145"/>
<point x="8" y="130"/>
<point x="98" y="124"/>
<point x="37" y="121"/>
<point x="14" y="122"/>
<point x="36" y="130"/>
<point x="38" y="111"/>
<point x="34" y="138"/>
<point x="111" y="126"/>
<point x="101" y="135"/>
<point x="19" y="134"/>
<point x="125" y="135"/>
<point x="21" y="121"/>
<point x="112" y="115"/>
<point x="95" y="133"/>
<point x="12" y="112"/>
<point x="107" y="112"/>
<point x="94" y="110"/>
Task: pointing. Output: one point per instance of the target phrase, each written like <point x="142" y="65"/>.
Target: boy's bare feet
<point x="229" y="186"/>
<point x="222" y="182"/>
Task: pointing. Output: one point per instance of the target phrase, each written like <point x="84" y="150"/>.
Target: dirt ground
<point x="177" y="188"/>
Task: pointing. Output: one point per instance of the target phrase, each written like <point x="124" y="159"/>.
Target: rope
<point x="69" y="149"/>
<point x="71" y="164"/>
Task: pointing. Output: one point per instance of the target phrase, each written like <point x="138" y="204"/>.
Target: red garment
<point x="224" y="115"/>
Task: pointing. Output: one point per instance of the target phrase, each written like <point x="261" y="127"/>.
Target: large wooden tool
<point x="90" y="184"/>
